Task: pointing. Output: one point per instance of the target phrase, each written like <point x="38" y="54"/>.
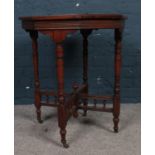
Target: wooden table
<point x="58" y="27"/>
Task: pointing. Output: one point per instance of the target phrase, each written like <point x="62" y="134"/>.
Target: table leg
<point x="34" y="36"/>
<point x="85" y="34"/>
<point x="58" y="37"/>
<point x="116" y="104"/>
<point x="62" y="120"/>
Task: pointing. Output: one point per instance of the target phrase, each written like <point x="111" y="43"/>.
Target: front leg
<point x="62" y="116"/>
<point x="58" y="37"/>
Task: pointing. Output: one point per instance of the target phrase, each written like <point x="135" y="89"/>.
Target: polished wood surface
<point x="75" y="17"/>
<point x="57" y="27"/>
<point x="74" y="21"/>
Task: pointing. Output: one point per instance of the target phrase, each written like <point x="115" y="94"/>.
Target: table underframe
<point x="69" y="104"/>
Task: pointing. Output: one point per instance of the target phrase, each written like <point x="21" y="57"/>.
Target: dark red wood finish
<point x="85" y="34"/>
<point x="34" y="36"/>
<point x="57" y="27"/>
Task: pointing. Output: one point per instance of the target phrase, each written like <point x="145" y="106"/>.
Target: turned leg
<point x="116" y="102"/>
<point x="85" y="34"/>
<point x="58" y="37"/>
<point x="34" y="36"/>
<point x="62" y="119"/>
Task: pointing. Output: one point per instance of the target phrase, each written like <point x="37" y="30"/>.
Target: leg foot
<point x="85" y="103"/>
<point x="84" y="113"/>
<point x="75" y="114"/>
<point x="63" y="138"/>
<point x="39" y="116"/>
<point x="65" y="145"/>
<point x="115" y="130"/>
<point x="116" y="121"/>
<point x="40" y="121"/>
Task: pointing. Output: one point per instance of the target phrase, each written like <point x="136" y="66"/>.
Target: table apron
<point x="75" y="24"/>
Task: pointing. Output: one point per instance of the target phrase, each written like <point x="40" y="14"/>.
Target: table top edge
<point x="113" y="16"/>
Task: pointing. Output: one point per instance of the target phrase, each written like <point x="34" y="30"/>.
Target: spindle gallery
<point x="68" y="104"/>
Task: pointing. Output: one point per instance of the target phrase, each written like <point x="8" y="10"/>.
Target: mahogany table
<point x="58" y="27"/>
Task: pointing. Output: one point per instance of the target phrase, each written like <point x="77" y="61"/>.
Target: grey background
<point x="101" y="50"/>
